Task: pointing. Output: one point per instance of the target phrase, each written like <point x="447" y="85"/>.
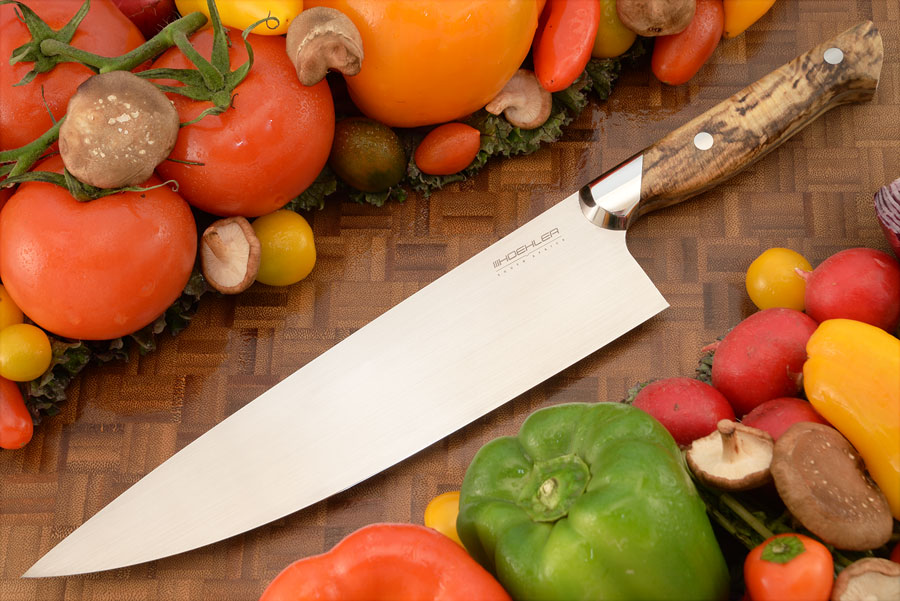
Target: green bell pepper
<point x="590" y="501"/>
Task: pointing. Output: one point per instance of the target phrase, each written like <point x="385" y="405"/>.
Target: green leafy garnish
<point x="314" y="196"/>
<point x="498" y="138"/>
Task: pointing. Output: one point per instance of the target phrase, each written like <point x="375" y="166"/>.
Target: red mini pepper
<point x="16" y="427"/>
<point x="396" y="562"/>
<point x="678" y="57"/>
<point x="564" y="40"/>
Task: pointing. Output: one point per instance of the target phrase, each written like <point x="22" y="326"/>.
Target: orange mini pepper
<point x="381" y="562"/>
<point x="741" y="14"/>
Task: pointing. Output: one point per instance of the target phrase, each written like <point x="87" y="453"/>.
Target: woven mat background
<point x="813" y="195"/>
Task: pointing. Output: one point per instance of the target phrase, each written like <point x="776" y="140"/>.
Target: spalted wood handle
<point x="760" y="117"/>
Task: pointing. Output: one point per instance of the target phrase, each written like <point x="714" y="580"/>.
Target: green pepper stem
<point x="162" y="41"/>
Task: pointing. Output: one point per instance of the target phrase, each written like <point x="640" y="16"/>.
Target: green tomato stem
<point x="153" y="47"/>
<point x="26" y="156"/>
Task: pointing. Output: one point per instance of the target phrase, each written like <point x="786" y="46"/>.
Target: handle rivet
<point x="833" y="56"/>
<point x="703" y="141"/>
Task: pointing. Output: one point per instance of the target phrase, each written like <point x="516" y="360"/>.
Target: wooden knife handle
<point x="756" y="120"/>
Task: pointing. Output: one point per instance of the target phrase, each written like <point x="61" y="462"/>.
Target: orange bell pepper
<point x="741" y="14"/>
<point x="381" y="562"/>
<point x="852" y="378"/>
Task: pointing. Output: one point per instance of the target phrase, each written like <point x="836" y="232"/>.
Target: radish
<point x="762" y="358"/>
<point x="857" y="283"/>
<point x="148" y="15"/>
<point x="688" y="408"/>
<point x="777" y="415"/>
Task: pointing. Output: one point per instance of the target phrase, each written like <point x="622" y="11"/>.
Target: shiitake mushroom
<point x="651" y="18"/>
<point x="823" y="482"/>
<point x="118" y="128"/>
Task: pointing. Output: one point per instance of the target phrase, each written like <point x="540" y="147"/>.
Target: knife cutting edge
<point x="542" y="298"/>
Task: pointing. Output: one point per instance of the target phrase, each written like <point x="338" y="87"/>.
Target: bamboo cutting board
<point x="814" y="195"/>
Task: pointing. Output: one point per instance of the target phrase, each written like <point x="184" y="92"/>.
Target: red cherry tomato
<point x="95" y="270"/>
<point x="564" y="41"/>
<point x="23" y="115"/>
<point x="789" y="566"/>
<point x="16" y="426"/>
<point x="265" y="150"/>
<point x="677" y="58"/>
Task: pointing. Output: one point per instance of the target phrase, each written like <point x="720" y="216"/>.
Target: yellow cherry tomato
<point x="441" y="513"/>
<point x="287" y="249"/>
<point x="241" y="14"/>
<point x="613" y="38"/>
<point x="773" y="282"/>
<point x="741" y="14"/>
<point x="10" y="313"/>
<point x="25" y="352"/>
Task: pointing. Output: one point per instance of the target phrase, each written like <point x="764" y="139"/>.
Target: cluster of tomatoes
<point x="106" y="268"/>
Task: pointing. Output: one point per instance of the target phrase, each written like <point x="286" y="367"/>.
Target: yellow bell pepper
<point x="613" y="38"/>
<point x="241" y="14"/>
<point x="741" y="14"/>
<point x="852" y="378"/>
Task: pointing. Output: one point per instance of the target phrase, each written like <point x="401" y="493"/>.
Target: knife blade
<point x="547" y="295"/>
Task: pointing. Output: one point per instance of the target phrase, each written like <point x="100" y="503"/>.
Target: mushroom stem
<point x="216" y="244"/>
<point x="731" y="446"/>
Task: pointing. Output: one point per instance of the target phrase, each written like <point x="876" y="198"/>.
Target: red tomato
<point x="265" y="150"/>
<point x="677" y="58"/>
<point x="95" y="270"/>
<point x="895" y="553"/>
<point x="789" y="566"/>
<point x="23" y="116"/>
<point x="5" y="193"/>
<point x="564" y="40"/>
<point x="16" y="426"/>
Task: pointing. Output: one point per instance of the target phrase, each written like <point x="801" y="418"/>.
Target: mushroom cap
<point x="868" y="579"/>
<point x="229" y="255"/>
<point x="118" y="128"/>
<point x="734" y="457"/>
<point x="656" y="17"/>
<point x="823" y="482"/>
<point x="320" y="39"/>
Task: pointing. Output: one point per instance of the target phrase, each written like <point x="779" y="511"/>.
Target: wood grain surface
<point x="813" y="194"/>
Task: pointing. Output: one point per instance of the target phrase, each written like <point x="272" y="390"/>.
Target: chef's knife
<point x="555" y="290"/>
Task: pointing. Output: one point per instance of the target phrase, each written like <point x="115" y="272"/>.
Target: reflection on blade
<point x="537" y="301"/>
